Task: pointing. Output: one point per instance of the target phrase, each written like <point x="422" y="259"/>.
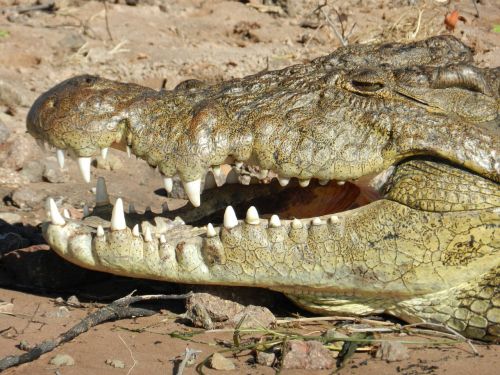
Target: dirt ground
<point x="177" y="40"/>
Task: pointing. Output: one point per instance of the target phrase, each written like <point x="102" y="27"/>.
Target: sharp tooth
<point x="252" y="216"/>
<point x="192" y="189"/>
<point x="334" y="219"/>
<point x="55" y="216"/>
<point x="340" y="183"/>
<point x="323" y="182"/>
<point x="230" y="219"/>
<point x="216" y="170"/>
<point x="41" y="144"/>
<point x="317" y="221"/>
<point x="129" y="151"/>
<point x="60" y="157"/>
<point x="104" y="152"/>
<point x="66" y="214"/>
<point x="101" y="192"/>
<point x="162" y="238"/>
<point x="135" y="230"/>
<point x="86" y="211"/>
<point x="168" y="182"/>
<point x="84" y="164"/>
<point x="238" y="164"/>
<point x="283" y="181"/>
<point x="211" y="231"/>
<point x="118" y="216"/>
<point x="304" y="183"/>
<point x="263" y="173"/>
<point x="131" y="209"/>
<point x="147" y="235"/>
<point x="100" y="231"/>
<point x="274" y="222"/>
<point x="296" y="224"/>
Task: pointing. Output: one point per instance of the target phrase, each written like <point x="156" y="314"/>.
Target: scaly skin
<point x="426" y="252"/>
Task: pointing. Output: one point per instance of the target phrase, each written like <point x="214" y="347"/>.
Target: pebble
<point x="392" y="351"/>
<point x="33" y="170"/>
<point x="256" y="317"/>
<point x="307" y="355"/>
<point x="53" y="173"/>
<point x="219" y="362"/>
<point x="62" y="360"/>
<point x="4" y="133"/>
<point x="265" y="359"/>
<point x="116" y="363"/>
<point x="26" y="197"/>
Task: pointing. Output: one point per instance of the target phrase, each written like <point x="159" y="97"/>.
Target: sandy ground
<point x="177" y="40"/>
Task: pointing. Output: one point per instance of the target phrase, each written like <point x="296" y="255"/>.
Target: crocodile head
<point x="419" y="116"/>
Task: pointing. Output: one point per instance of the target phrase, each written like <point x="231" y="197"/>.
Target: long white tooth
<point x="296" y="224"/>
<point x="274" y="221"/>
<point x="131" y="208"/>
<point x="66" y="214"/>
<point x="334" y="219"/>
<point x="283" y="181"/>
<point x="304" y="183"/>
<point x="135" y="230"/>
<point x="41" y="144"/>
<point x="147" y="235"/>
<point x="129" y="151"/>
<point x="60" y="157"/>
<point x="252" y="216"/>
<point x="323" y="182"/>
<point x="317" y="221"/>
<point x="84" y="164"/>
<point x="101" y="192"/>
<point x="211" y="231"/>
<point x="230" y="219"/>
<point x="263" y="173"/>
<point x="216" y="170"/>
<point x="238" y="164"/>
<point x="55" y="216"/>
<point x="162" y="238"/>
<point x="340" y="182"/>
<point x="100" y="231"/>
<point x="192" y="189"/>
<point x="118" y="216"/>
<point x="104" y="152"/>
<point x="86" y="211"/>
<point x="168" y="182"/>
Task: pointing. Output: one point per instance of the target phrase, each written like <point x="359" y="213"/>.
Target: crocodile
<point x="418" y="120"/>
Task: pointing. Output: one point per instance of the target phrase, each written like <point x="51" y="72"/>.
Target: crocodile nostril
<point x="367" y="86"/>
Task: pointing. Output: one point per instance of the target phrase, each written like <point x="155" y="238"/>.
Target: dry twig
<point x="119" y="309"/>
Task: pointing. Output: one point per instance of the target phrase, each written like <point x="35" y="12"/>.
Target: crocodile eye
<point x="367" y="86"/>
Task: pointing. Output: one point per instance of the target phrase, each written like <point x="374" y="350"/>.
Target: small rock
<point x="19" y="151"/>
<point x="204" y="309"/>
<point x="219" y="362"/>
<point x="73" y="301"/>
<point x="60" y="312"/>
<point x="4" y="132"/>
<point x="392" y="351"/>
<point x="10" y="177"/>
<point x="116" y="363"/>
<point x="307" y="355"/>
<point x="33" y="170"/>
<point x="53" y="173"/>
<point x="72" y="41"/>
<point x="10" y="218"/>
<point x="111" y="163"/>
<point x="26" y="197"/>
<point x="265" y="359"/>
<point x="62" y="360"/>
<point x="256" y="317"/>
<point x="6" y="307"/>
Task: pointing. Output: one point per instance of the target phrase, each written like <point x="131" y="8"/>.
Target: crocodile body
<point x="426" y="251"/>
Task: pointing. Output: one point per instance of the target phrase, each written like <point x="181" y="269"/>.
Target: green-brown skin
<point x="426" y="252"/>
